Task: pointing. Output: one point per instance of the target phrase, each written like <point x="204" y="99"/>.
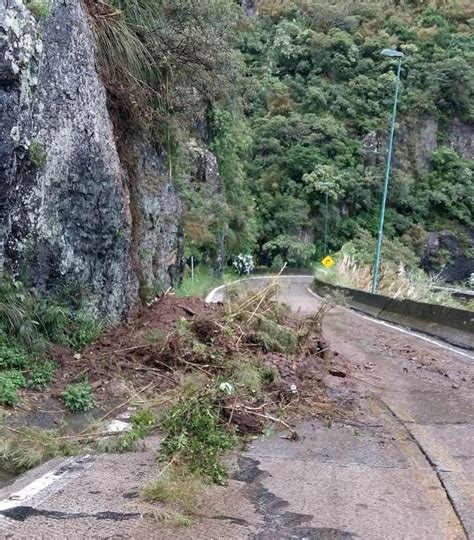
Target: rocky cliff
<point x="76" y="214"/>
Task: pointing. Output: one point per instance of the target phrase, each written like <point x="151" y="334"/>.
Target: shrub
<point x="79" y="398"/>
<point x="40" y="375"/>
<point x="11" y="356"/>
<point x="10" y="381"/>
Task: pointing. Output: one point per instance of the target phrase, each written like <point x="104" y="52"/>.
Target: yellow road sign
<point x="328" y="261"/>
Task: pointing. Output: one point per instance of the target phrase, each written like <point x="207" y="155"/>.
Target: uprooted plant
<point x="215" y="375"/>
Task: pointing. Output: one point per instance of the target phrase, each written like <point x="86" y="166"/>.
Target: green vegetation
<point x="29" y="326"/>
<point x="79" y="398"/>
<point x="317" y="87"/>
<point x="39" y="8"/>
<point x="40" y="375"/>
<point x="38" y="155"/>
<point x="10" y="382"/>
<point x="24" y="449"/>
<point x="178" y="487"/>
<point x="195" y="437"/>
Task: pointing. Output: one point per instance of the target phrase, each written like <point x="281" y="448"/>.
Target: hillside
<point x="318" y="99"/>
<point x="138" y="133"/>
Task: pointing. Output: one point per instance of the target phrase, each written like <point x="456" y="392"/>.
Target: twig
<point x="115" y="409"/>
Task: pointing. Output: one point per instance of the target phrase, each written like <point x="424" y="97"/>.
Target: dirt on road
<point x="400" y="466"/>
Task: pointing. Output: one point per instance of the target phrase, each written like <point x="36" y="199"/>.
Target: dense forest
<point x="317" y="95"/>
<point x="294" y="100"/>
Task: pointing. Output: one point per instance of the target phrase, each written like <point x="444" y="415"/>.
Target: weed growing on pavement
<point x="176" y="486"/>
<point x="24" y="449"/>
<point x="172" y="518"/>
<point x="79" y="398"/>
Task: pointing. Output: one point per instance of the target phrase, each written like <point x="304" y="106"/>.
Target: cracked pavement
<point x="401" y="468"/>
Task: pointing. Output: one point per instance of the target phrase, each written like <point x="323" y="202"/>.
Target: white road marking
<point x="210" y="298"/>
<point x="30" y="491"/>
<point x="403" y="330"/>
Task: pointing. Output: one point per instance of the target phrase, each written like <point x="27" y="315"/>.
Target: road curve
<point x="420" y="392"/>
<point x="401" y="467"/>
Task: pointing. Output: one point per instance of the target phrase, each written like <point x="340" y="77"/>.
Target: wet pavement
<point x="401" y="468"/>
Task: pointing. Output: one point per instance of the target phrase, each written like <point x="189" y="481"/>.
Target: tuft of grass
<point x="31" y="447"/>
<point x="85" y="330"/>
<point x="79" y="398"/>
<point x="172" y="518"/>
<point x="178" y="487"/>
<point x="246" y="376"/>
<point x="156" y="337"/>
<point x="196" y="437"/>
<point x="273" y="336"/>
<point x="39" y="8"/>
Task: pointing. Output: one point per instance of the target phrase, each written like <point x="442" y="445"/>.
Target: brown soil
<point x="148" y="350"/>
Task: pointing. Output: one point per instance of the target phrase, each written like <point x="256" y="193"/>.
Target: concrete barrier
<point x="456" y="326"/>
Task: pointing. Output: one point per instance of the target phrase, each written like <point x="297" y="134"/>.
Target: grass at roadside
<point x="395" y="281"/>
<point x="204" y="281"/>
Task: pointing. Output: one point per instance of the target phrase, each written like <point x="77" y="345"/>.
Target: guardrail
<point x="456" y="326"/>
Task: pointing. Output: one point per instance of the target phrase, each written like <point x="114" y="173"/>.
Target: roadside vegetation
<point x="399" y="278"/>
<point x="206" y="377"/>
<point x="29" y="327"/>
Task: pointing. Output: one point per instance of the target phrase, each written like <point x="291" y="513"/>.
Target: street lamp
<point x="392" y="54"/>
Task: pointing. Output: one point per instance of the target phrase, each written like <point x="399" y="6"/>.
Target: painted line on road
<point x="210" y="298"/>
<point x="403" y="330"/>
<point x="71" y="467"/>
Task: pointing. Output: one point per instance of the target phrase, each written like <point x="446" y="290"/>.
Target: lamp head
<point x="392" y="53"/>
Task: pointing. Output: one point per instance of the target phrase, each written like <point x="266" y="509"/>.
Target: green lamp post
<point x="392" y="54"/>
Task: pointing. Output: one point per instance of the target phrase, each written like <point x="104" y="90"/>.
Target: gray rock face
<point x="460" y="137"/>
<point x="203" y="178"/>
<point x="413" y="146"/>
<point x="158" y="219"/>
<point x="67" y="217"/>
<point x="250" y="8"/>
<point x="445" y="254"/>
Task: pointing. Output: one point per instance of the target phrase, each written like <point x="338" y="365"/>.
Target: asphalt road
<point x="401" y="468"/>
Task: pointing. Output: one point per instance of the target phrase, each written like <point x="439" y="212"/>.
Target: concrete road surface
<point x="401" y="468"/>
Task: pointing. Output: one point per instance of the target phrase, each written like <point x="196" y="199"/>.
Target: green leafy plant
<point x="85" y="329"/>
<point x="79" y="397"/>
<point x="196" y="438"/>
<point x="10" y="381"/>
<point x="40" y="375"/>
<point x="11" y="356"/>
